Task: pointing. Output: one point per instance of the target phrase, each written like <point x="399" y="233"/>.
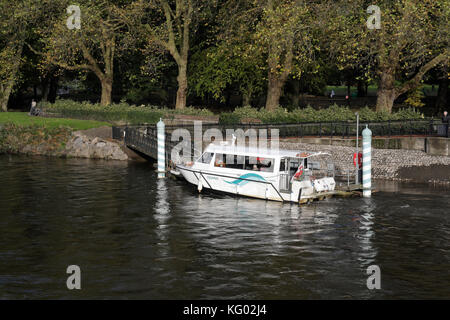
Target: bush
<point x="122" y="112"/>
<point x="131" y="114"/>
<point x="334" y="113"/>
<point x="228" y="118"/>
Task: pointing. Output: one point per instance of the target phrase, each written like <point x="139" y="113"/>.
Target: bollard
<point x="367" y="162"/>
<point x="161" y="128"/>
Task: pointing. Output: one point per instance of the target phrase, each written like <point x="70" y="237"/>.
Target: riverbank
<point x="61" y="141"/>
<point x="387" y="164"/>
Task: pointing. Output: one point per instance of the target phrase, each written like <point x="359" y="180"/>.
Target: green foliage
<point x="24" y="120"/>
<point x="216" y="69"/>
<point x="229" y="118"/>
<point x="15" y="138"/>
<point x="119" y="112"/>
<point x="407" y="114"/>
<point x="334" y="113"/>
<point x="415" y="97"/>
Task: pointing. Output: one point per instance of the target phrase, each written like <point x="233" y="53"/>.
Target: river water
<point x="136" y="237"/>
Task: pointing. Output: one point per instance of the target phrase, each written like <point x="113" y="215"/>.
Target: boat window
<point x="206" y="157"/>
<point x="314" y="165"/>
<point x="220" y="160"/>
<point x="229" y="161"/>
<point x="265" y="164"/>
<point x="232" y="161"/>
<point x="293" y="166"/>
<point x="259" y="164"/>
<point x="283" y="165"/>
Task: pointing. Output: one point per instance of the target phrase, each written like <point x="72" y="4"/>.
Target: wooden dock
<point x="345" y="191"/>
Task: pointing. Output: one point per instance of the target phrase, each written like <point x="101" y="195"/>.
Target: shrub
<point x="151" y="114"/>
<point x="228" y="118"/>
<point x="117" y="112"/>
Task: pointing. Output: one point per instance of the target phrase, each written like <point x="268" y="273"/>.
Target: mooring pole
<point x="367" y="162"/>
<point x="161" y="128"/>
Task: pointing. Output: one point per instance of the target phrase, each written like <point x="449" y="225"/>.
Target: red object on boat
<point x="299" y="172"/>
<point x="359" y="157"/>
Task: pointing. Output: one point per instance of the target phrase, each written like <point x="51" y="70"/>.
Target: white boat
<point x="281" y="175"/>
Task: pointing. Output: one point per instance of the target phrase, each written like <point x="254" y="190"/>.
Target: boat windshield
<point x="206" y="158"/>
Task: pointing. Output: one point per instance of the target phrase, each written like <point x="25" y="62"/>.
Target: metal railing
<point x="342" y="129"/>
<point x="144" y="138"/>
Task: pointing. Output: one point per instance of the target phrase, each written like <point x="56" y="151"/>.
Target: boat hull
<point x="250" y="185"/>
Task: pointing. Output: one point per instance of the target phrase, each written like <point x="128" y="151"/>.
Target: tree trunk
<point x="106" y="91"/>
<point x="5" y="93"/>
<point x="6" y="89"/>
<point x="182" y="87"/>
<point x="53" y="90"/>
<point x="386" y="93"/>
<point x="246" y="99"/>
<point x="45" y="89"/>
<point x="274" y="89"/>
<point x="296" y="95"/>
<point x="442" y="95"/>
<point x="362" y="92"/>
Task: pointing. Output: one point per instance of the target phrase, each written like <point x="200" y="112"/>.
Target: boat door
<point x="288" y="168"/>
<point x="285" y="181"/>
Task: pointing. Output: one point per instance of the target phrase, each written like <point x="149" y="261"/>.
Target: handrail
<point x="238" y="178"/>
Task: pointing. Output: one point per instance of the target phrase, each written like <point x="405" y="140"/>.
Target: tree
<point x="443" y="92"/>
<point x="412" y="40"/>
<point x="171" y="25"/>
<point x="93" y="47"/>
<point x="227" y="65"/>
<point x="278" y="32"/>
<point x="14" y="19"/>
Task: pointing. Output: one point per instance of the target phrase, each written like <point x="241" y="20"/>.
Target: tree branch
<point x="61" y="64"/>
<point x="415" y="81"/>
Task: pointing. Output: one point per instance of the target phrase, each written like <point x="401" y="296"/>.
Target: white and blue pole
<point x="367" y="162"/>
<point x="161" y="129"/>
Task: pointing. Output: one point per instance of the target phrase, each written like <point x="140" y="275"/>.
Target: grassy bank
<point x="22" y="119"/>
<point x="33" y="139"/>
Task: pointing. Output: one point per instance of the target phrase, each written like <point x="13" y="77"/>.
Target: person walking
<point x="445" y="122"/>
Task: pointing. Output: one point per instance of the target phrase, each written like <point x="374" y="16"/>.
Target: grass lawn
<point x="23" y="119"/>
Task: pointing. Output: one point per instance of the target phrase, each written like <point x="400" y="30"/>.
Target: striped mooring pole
<point x="161" y="129"/>
<point x="367" y="162"/>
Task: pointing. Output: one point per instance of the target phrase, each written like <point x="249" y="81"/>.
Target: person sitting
<point x="34" y="111"/>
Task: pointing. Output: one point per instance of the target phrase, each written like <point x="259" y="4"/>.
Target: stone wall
<point x="431" y="145"/>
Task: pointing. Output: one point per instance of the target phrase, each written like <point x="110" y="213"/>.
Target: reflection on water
<point x="135" y="236"/>
<point x="368" y="251"/>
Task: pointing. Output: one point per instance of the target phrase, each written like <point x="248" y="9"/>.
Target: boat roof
<point x="261" y="152"/>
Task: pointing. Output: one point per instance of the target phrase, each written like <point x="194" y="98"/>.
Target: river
<point x="136" y="237"/>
